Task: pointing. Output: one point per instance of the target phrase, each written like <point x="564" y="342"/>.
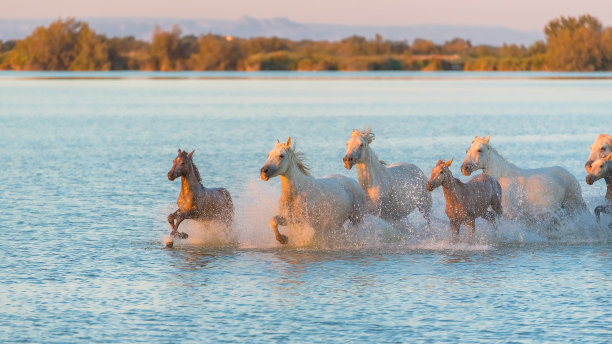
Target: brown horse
<point x="195" y="201"/>
<point x="598" y="169"/>
<point x="466" y="201"/>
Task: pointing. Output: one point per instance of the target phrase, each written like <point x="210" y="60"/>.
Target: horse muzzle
<point x="429" y="187"/>
<point x="264" y="173"/>
<point x="171" y="176"/>
<point x="348" y="162"/>
<point x="467" y="169"/>
<point x="590" y="179"/>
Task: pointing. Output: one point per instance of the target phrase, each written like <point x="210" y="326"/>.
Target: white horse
<point x="392" y="191"/>
<point x="601" y="168"/>
<point x="600" y="149"/>
<point x="527" y="194"/>
<point x="324" y="204"/>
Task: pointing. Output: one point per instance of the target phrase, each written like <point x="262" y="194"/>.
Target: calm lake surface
<point x="85" y="197"/>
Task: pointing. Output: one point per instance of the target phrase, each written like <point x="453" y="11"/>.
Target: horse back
<point x="217" y="203"/>
<point x="406" y="171"/>
<point x="352" y="192"/>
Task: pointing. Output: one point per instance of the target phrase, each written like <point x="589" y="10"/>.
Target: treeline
<point x="572" y="44"/>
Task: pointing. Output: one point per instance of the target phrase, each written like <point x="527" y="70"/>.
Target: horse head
<point x="278" y="160"/>
<point x="477" y="156"/>
<point x="599" y="168"/>
<point x="180" y="165"/>
<point x="439" y="174"/>
<point x="599" y="149"/>
<point x="356" y="147"/>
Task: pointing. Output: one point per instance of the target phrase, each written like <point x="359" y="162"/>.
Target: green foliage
<point x="577" y="44"/>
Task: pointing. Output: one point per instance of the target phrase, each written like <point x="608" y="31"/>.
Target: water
<point x="85" y="198"/>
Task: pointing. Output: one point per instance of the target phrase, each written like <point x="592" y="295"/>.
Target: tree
<point x="573" y="44"/>
<point x="215" y="53"/>
<point x="165" y="51"/>
<point x="91" y="51"/>
<point x="49" y="48"/>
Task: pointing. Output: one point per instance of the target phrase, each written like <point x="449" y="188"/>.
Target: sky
<point x="517" y="14"/>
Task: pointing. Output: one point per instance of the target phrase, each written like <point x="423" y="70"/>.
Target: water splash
<point x="259" y="200"/>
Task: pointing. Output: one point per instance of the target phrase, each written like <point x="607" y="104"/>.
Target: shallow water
<point x="85" y="198"/>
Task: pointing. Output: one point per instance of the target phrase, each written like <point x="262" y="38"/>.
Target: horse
<point x="392" y="191"/>
<point x="324" y="204"/>
<point x="528" y="194"/>
<point x="601" y="168"/>
<point x="600" y="149"/>
<point x="195" y="201"/>
<point x="466" y="201"/>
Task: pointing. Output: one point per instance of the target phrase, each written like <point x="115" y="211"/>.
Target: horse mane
<point x="300" y="160"/>
<point x="366" y="133"/>
<point x="501" y="157"/>
<point x="605" y="137"/>
<point x="485" y="141"/>
<point x="195" y="170"/>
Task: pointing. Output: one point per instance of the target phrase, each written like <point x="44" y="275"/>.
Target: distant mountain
<point x="282" y="27"/>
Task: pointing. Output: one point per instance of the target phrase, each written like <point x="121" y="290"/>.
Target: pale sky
<point x="516" y="14"/>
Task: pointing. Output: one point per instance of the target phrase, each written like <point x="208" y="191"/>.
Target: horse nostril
<point x="264" y="170"/>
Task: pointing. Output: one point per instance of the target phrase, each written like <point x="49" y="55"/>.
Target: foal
<point x="466" y="201"/>
<point x="195" y="201"/>
<point x="598" y="169"/>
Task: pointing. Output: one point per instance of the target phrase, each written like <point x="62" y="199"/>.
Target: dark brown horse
<point x="195" y="201"/>
<point x="466" y="201"/>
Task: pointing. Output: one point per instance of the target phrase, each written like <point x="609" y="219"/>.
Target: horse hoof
<point x="282" y="239"/>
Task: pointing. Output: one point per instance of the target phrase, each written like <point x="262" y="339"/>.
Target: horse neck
<point x="371" y="172"/>
<point x="453" y="189"/>
<point x="190" y="183"/>
<point x="500" y="167"/>
<point x="293" y="182"/>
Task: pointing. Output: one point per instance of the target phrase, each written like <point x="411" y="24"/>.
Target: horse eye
<point x="361" y="145"/>
<point x="603" y="148"/>
<point x="281" y="156"/>
<point x="480" y="151"/>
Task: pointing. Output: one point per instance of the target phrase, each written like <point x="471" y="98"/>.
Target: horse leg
<point x="471" y="224"/>
<point x="274" y="223"/>
<point x="171" y="218"/>
<point x="190" y="214"/>
<point x="606" y="209"/>
<point x="454" y="225"/>
<point x="491" y="217"/>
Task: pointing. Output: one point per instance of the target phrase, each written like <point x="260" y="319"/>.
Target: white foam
<point x="258" y="203"/>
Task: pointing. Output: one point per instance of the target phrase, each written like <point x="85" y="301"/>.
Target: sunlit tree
<point x="573" y="44"/>
<point x="91" y="51"/>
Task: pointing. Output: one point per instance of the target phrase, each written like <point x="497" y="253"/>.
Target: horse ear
<point x="190" y="155"/>
<point x="288" y="143"/>
<point x="448" y="163"/>
<point x="486" y="139"/>
<point x="179" y="151"/>
<point x="276" y="142"/>
<point x="440" y="161"/>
